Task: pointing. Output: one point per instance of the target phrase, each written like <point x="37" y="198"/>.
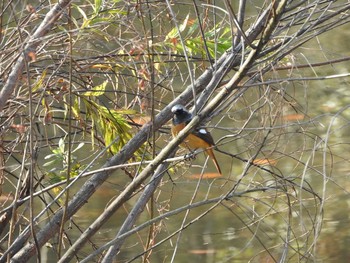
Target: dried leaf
<point x="265" y="162"/>
<point x="205" y="176"/>
<point x="202" y="251"/>
<point x="294" y="117"/>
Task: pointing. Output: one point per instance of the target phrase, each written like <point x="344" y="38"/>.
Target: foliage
<point x="85" y="130"/>
<point x="59" y="161"/>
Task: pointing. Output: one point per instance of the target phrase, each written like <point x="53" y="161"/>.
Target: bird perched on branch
<point x="199" y="138"/>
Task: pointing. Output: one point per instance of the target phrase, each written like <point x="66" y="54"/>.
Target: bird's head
<point x="178" y="109"/>
<point x="181" y="114"/>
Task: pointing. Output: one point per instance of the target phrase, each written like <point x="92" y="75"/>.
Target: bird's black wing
<point x="204" y="135"/>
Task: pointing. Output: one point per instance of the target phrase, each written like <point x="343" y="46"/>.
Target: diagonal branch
<point x="22" y="253"/>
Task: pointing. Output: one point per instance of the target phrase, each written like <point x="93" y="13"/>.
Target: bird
<point x="199" y="138"/>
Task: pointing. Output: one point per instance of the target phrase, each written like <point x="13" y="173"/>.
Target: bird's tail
<point x="212" y="156"/>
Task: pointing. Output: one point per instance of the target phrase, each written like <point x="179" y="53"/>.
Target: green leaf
<point x="56" y="151"/>
<point x="97" y="6"/>
<point x="193" y="28"/>
<point x="174" y="33"/>
<point x="97" y="91"/>
<point x="81" y="11"/>
<point x="40" y="82"/>
<point x="76" y="109"/>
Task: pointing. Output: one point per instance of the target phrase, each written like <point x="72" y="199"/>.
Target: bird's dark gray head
<point x="181" y="114"/>
<point x="178" y="109"/>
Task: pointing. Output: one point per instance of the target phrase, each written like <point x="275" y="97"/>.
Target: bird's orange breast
<point x="191" y="141"/>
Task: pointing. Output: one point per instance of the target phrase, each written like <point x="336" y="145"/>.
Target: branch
<point x="137" y="209"/>
<point x="34" y="41"/>
<point x="87" y="190"/>
<point x="21" y="253"/>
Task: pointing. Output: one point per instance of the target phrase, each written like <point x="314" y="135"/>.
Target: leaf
<point x="183" y="26"/>
<point x="49" y="156"/>
<point x="141" y="120"/>
<point x="205" y="176"/>
<point x="117" y="11"/>
<point x="97" y="6"/>
<point x="193" y="28"/>
<point x="294" y="117"/>
<point x="78" y="147"/>
<point x="76" y="109"/>
<point x="174" y="33"/>
<point x="40" y="81"/>
<point x="49" y="163"/>
<point x="265" y="162"/>
<point x="81" y="11"/>
<point x="97" y="90"/>
<point x="102" y="66"/>
<point x="61" y="145"/>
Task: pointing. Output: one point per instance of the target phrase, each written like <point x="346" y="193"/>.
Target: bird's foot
<point x="190" y="156"/>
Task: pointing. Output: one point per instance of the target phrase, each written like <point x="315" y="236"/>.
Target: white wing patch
<point x="202" y="131"/>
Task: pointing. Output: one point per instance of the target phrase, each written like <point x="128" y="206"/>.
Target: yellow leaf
<point x="97" y="91"/>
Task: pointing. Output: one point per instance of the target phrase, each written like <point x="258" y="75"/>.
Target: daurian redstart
<point x="199" y="138"/>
